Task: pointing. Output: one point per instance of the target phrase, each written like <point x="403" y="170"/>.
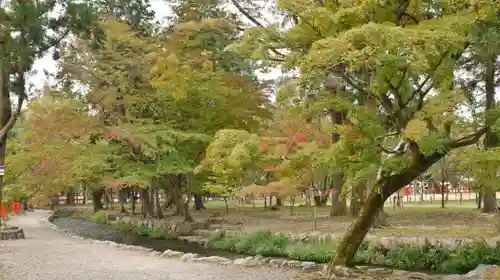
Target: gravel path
<point x="48" y="254"/>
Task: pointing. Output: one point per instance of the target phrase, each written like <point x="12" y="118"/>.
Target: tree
<point x="231" y="160"/>
<point x="54" y="152"/>
<point x="28" y="31"/>
<point x="402" y="57"/>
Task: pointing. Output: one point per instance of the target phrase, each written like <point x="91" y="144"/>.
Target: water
<point x="108" y="233"/>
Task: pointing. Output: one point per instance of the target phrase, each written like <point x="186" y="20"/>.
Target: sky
<point x="38" y="79"/>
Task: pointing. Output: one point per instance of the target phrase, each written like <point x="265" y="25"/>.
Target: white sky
<point x="38" y="79"/>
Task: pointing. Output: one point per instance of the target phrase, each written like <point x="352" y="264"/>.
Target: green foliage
<point x="144" y="231"/>
<point x="99" y="217"/>
<point x="231" y="160"/>
<point x="402" y="256"/>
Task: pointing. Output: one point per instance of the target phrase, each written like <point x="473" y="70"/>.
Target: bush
<point x="144" y="231"/>
<point x="404" y="256"/>
<point x="99" y="217"/>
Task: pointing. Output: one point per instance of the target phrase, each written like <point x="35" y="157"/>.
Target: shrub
<point x="124" y="226"/>
<point x="403" y="256"/>
<point x="145" y="231"/>
<point x="99" y="217"/>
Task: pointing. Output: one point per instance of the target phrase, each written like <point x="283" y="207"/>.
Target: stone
<point x="293" y="263"/>
<point x="184" y="229"/>
<point x="249" y="261"/>
<point x="188" y="257"/>
<point x="418" y="276"/>
<point x="276" y="262"/>
<point x="213" y="259"/>
<point x="11" y="233"/>
<point x="169" y="253"/>
<point x="308" y="265"/>
<point x="342" y="271"/>
<point x="193" y="239"/>
<point x="483" y="271"/>
<point x="380" y="271"/>
<point x="453" y="277"/>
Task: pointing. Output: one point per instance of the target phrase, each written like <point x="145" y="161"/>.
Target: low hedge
<point x="404" y="256"/>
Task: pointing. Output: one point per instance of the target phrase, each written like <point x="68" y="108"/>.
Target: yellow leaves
<point x="416" y="130"/>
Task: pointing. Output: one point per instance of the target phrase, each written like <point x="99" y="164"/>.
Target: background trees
<point x="375" y="96"/>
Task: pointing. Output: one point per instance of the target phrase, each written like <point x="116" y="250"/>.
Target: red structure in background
<point x="4" y="211"/>
<point x="16" y="207"/>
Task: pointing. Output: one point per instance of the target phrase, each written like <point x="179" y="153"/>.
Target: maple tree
<point x="375" y="97"/>
<point x="29" y="30"/>
<point x="154" y="125"/>
<point x="390" y="71"/>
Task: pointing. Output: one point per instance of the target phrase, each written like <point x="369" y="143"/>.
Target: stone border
<point x="11" y="233"/>
<point x="280" y="263"/>
<point x="191" y="257"/>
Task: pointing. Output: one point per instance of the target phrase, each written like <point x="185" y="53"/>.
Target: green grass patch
<point x="144" y="231"/>
<point x="404" y="256"/>
<point x="99" y="217"/>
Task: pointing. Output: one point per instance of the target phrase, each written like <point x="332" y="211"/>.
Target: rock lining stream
<point x="195" y="252"/>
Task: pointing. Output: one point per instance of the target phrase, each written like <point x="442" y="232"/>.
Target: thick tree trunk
<point x="339" y="205"/>
<point x="491" y="139"/>
<point x="198" y="202"/>
<point x="159" y="210"/>
<point x="147" y="206"/>
<point x="177" y="195"/>
<point x="385" y="186"/>
<point x="279" y="201"/>
<point x="70" y="198"/>
<point x="97" y="199"/>
<point x="182" y="207"/>
<point x="358" y="230"/>
<point x="122" y="199"/>
<point x="357" y="200"/>
<point x="489" y="200"/>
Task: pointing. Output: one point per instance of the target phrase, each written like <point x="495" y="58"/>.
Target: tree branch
<point x="254" y="21"/>
<point x="467" y="139"/>
<point x="54" y="43"/>
<point x="12" y="120"/>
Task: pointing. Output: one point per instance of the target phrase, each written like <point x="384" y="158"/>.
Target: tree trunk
<point x="159" y="211"/>
<point x="177" y="195"/>
<point x="182" y="207"/>
<point x="385" y="186"/>
<point x="357" y="200"/>
<point x="97" y="199"/>
<point x="134" y="199"/>
<point x="3" y="145"/>
<point x="122" y="199"/>
<point x="479" y="199"/>
<point x="226" y="206"/>
<point x="198" y="202"/>
<point x="70" y="198"/>
<point x="339" y="205"/>
<point x="147" y="206"/>
<point x="491" y="139"/>
<point x="358" y="230"/>
<point x="279" y="201"/>
<point x="489" y="200"/>
<point x="105" y="197"/>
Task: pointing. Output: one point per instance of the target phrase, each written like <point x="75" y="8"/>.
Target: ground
<point x="48" y="254"/>
<point x="417" y="219"/>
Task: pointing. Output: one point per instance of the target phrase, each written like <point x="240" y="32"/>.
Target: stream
<point x="105" y="232"/>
